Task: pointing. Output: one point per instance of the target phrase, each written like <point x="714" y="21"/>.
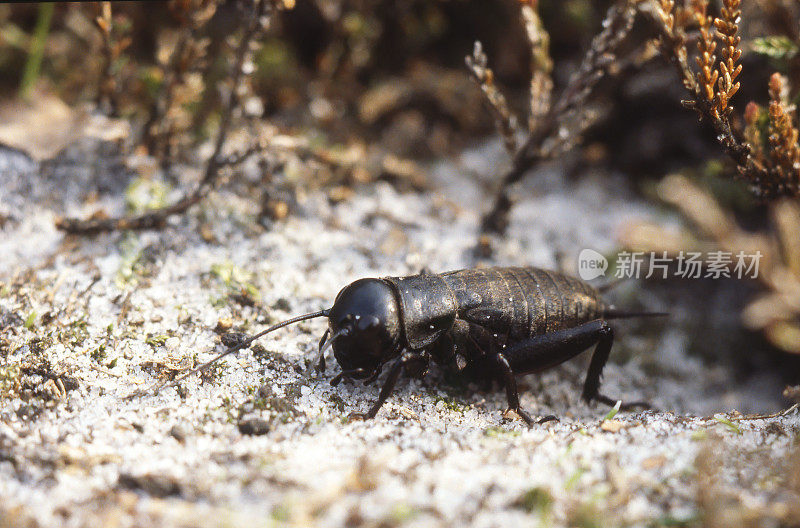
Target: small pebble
<point x="178" y="432"/>
<point x="224" y="324"/>
<point x="254" y="426"/>
<point x="152" y="484"/>
<point x="233" y="338"/>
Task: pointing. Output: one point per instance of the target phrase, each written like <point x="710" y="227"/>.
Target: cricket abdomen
<point x="519" y="303"/>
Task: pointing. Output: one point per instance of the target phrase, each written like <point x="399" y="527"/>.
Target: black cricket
<point x="494" y="323"/>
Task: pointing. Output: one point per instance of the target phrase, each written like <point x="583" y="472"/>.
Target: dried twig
<point x="556" y="128"/>
<point x="113" y="46"/>
<point x="541" y="85"/>
<point x="160" y="129"/>
<point x="157" y="217"/>
<point x="505" y="121"/>
<point x="779" y="414"/>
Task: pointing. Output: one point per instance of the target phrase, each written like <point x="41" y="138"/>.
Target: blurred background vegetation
<point x="349" y="69"/>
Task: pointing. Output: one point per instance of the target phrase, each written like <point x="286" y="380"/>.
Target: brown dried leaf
<point x="654" y="462"/>
<point x="766" y="309"/>
<point x="697" y="204"/>
<point x="647" y="236"/>
<point x="784" y="335"/>
<point x="612" y="426"/>
<point x="45" y="125"/>
<point x="786" y="215"/>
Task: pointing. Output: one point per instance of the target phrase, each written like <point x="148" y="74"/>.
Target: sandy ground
<point x="86" y="321"/>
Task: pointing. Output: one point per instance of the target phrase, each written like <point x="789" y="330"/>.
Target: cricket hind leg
<point x="512" y="393"/>
<point x="542" y="352"/>
<point x="591" y="386"/>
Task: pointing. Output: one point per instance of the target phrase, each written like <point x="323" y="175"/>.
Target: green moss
<point x="30" y="320"/>
<point x="75" y="333"/>
<point x="218" y="301"/>
<point x="499" y="432"/>
<point x="137" y="261"/>
<point x="536" y="500"/>
<point x="213" y="372"/>
<point x="293" y="390"/>
<point x="232" y="412"/>
<point x="156" y="341"/>
<point x="280" y="406"/>
<point x="38" y="345"/>
<point x="143" y="194"/>
<point x="264" y="399"/>
<point x="451" y="404"/>
<point x="129" y="253"/>
<point x="98" y="354"/>
<point x="9" y="377"/>
<point x="270" y="359"/>
<point x="237" y="281"/>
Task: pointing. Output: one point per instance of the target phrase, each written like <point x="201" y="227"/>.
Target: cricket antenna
<point x="243" y="343"/>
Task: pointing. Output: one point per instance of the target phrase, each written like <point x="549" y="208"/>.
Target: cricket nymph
<point x="494" y="323"/>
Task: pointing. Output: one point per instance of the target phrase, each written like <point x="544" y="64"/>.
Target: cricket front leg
<point x="321" y="357"/>
<point x="386" y="390"/>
